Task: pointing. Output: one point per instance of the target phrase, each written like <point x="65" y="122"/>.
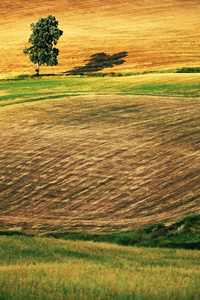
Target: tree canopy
<point x="45" y="34"/>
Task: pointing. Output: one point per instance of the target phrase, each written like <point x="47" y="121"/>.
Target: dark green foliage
<point x="128" y="239"/>
<point x="11" y="232"/>
<point x="189" y="70"/>
<point x="45" y="34"/>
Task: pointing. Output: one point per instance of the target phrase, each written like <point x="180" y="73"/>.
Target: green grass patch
<point x="46" y="268"/>
<point x="188" y="70"/>
<point x="149" y="84"/>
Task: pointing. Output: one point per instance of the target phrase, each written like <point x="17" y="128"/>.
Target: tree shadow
<point x="98" y="62"/>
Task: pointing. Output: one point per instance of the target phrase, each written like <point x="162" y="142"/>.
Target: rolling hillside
<point x="153" y="34"/>
<point x="87" y="153"/>
<point x="98" y="161"/>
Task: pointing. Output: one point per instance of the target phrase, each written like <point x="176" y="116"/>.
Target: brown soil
<point x="99" y="162"/>
<point x="160" y="34"/>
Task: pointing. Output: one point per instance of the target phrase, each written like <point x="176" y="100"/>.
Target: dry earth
<point x="160" y="34"/>
<point x="99" y="162"/>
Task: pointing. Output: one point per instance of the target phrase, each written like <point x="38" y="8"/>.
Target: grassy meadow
<point x="19" y="91"/>
<point x="45" y="268"/>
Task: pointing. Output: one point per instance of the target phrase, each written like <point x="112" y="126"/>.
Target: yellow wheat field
<point x="155" y="35"/>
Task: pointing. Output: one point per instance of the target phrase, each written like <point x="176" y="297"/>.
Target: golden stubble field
<point x="99" y="162"/>
<point x="160" y="34"/>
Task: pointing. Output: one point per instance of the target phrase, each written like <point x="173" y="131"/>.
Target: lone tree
<point x="45" y="34"/>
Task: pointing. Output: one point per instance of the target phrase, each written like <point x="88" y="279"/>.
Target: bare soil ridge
<point x="99" y="162"/>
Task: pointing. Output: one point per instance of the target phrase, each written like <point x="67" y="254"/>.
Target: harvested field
<point x="155" y="35"/>
<point x="99" y="161"/>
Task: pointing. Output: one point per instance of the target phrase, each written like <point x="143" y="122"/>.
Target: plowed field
<point x="99" y="162"/>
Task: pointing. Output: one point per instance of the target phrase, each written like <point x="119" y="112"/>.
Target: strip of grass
<point x="45" y="268"/>
<point x="151" y="84"/>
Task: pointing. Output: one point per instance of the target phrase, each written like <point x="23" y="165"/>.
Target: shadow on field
<point x="98" y="62"/>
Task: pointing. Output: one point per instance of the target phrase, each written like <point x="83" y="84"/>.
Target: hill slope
<point x="155" y="34"/>
<point x="97" y="161"/>
<point x="43" y="268"/>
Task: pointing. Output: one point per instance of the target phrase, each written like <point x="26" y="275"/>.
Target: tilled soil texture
<point x="109" y="35"/>
<point x="99" y="162"/>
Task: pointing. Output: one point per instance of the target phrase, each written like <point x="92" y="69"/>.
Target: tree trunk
<point x="38" y="69"/>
